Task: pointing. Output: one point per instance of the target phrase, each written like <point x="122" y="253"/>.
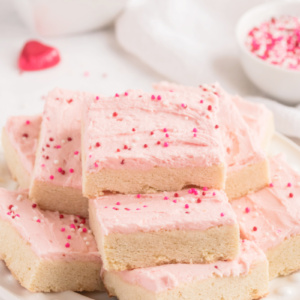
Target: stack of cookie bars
<point x="162" y="195"/>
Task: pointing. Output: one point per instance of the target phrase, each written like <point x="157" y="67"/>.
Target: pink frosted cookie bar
<point x="56" y="181"/>
<point x="189" y="226"/>
<point x="259" y="120"/>
<point x="247" y="165"/>
<point x="140" y="143"/>
<point x="19" y="139"/>
<point x="244" y="278"/>
<point x="47" y="251"/>
<point x="270" y="217"/>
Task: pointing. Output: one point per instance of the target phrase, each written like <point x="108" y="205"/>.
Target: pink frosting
<point x="51" y="235"/>
<point x="137" y="130"/>
<point x="23" y="133"/>
<point x="240" y="148"/>
<point x="272" y="214"/>
<point x="257" y="117"/>
<point x="166" y="277"/>
<point x="58" y="157"/>
<point x="191" y="209"/>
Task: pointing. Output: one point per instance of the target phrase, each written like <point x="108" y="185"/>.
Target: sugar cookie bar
<point x="189" y="226"/>
<point x="47" y="251"/>
<point x="259" y="120"/>
<point x="19" y="139"/>
<point x="247" y="165"/>
<point x="142" y="143"/>
<point x="244" y="278"/>
<point x="56" y="182"/>
<point x="270" y="217"/>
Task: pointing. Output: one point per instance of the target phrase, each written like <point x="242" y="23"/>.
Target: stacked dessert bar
<point x="162" y="195"/>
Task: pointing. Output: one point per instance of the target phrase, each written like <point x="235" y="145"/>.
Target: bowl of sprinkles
<point x="269" y="42"/>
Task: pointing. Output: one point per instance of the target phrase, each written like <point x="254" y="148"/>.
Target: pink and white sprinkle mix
<point x="277" y="41"/>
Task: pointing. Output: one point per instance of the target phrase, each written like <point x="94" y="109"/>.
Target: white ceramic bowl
<point x="59" y="17"/>
<point x="278" y="82"/>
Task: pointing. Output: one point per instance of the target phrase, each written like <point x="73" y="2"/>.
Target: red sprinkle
<point x="97" y="144"/>
<point x="209" y="107"/>
<point x="33" y="205"/>
<point x="247" y="210"/>
<point x="145" y="146"/>
<point x="115" y="114"/>
<point x="254" y="228"/>
<point x="176" y="195"/>
<point x="291" y="195"/>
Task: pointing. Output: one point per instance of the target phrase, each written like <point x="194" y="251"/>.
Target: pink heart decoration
<point x="37" y="56"/>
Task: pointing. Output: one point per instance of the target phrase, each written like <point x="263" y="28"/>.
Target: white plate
<point x="287" y="288"/>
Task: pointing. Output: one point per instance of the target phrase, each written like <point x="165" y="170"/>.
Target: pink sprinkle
<point x="201" y="101"/>
<point x="138" y="209"/>
<point x="222" y="214"/>
<point x="247" y="210"/>
<point x="57" y="146"/>
<point x="67" y="245"/>
<point x="152" y="97"/>
<point x="165" y="129"/>
<point x="166" y="145"/>
<point x="205" y="189"/>
<point x="117" y="95"/>
<point x="175" y="201"/>
<point x="138" y="196"/>
<point x="183" y="105"/>
<point x="214" y="194"/>
<point x="84" y="230"/>
<point x="63" y="229"/>
<point x="127" y="208"/>
<point x="59" y="170"/>
<point x="95" y="165"/>
<point x="73" y="226"/>
<point x="167" y="135"/>
<point x="195" y="130"/>
<point x="195" y="135"/>
<point x="289" y="184"/>
<point x="166" y="198"/>
<point x="97" y="97"/>
<point x="69" y="237"/>
<point x="71" y="170"/>
<point x="158" y="97"/>
<point x="271" y="184"/>
<point x="51" y="177"/>
<point x="43" y="165"/>
<point x="145" y="206"/>
<point x="38" y="221"/>
<point x="118" y="203"/>
<point x="186" y="206"/>
<point x="76" y="153"/>
<point x="27" y="122"/>
<point x="125" y="94"/>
